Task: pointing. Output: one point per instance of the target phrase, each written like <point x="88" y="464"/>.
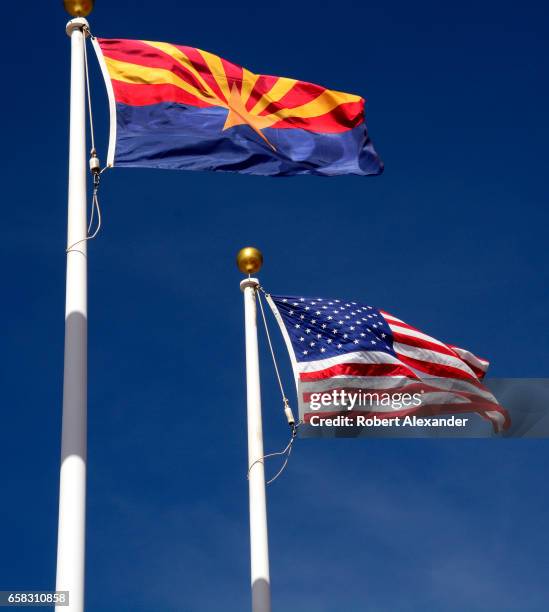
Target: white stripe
<point x="357" y="357"/>
<point x="416" y="334"/>
<point x="479" y="363"/>
<point x="466" y="355"/>
<point x="391" y="318"/>
<point x="429" y="356"/>
<point x="496" y="416"/>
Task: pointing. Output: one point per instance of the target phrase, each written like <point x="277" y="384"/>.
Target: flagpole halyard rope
<point x="95" y="165"/>
<point x="88" y="90"/>
<point x="286" y="452"/>
<point x="287" y="409"/>
<point x="284" y="398"/>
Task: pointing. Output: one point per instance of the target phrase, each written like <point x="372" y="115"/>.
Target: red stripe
<point x="437" y="348"/>
<point x="426" y="344"/>
<point x="135" y="52"/>
<point x="358" y="369"/>
<point x="345" y="117"/>
<point x="141" y="95"/>
<point x="436" y="369"/>
<point x="233" y="72"/>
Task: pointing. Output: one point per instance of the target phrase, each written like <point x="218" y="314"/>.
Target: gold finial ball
<point x="78" y="8"/>
<point x="249" y="260"/>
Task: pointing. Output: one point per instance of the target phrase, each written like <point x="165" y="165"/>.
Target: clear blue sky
<point x="452" y="238"/>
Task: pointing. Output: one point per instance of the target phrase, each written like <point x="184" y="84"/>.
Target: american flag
<point x="336" y="344"/>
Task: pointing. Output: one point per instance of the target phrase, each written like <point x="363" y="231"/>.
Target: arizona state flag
<point x="183" y="108"/>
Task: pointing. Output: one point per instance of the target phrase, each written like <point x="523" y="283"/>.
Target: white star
<point x="322" y="350"/>
<point x="373" y="342"/>
<point x="330" y="318"/>
<point x="307" y="331"/>
<point x="318" y="312"/>
<point x="329" y="341"/>
<point x="345" y="335"/>
<point x="355" y="341"/>
<point x="301" y="339"/>
<point x="305" y="352"/>
<point x="311" y="344"/>
<point x="323" y="325"/>
<point x="297" y="325"/>
<point x="319" y="336"/>
<point x="383" y="335"/>
<point x="339" y="345"/>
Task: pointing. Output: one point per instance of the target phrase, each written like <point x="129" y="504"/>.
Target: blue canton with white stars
<point x="319" y="327"/>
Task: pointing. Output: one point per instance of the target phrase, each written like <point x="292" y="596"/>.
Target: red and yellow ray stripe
<point x="144" y="73"/>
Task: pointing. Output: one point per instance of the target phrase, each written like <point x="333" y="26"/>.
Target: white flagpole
<point x="259" y="544"/>
<point x="72" y="486"/>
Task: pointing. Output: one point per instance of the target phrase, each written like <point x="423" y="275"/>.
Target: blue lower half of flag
<point x="179" y="137"/>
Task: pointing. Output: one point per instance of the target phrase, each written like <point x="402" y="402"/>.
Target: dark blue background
<point x="452" y="238"/>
